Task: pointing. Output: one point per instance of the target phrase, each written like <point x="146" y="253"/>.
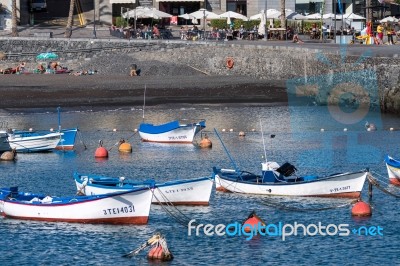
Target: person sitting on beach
<point x="296" y="39"/>
<point x="156" y="32"/>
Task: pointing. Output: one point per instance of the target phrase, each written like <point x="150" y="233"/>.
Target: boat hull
<point x="393" y="169"/>
<point x="347" y="185"/>
<point x="67" y="141"/>
<point x="170" y="133"/>
<point x="132" y="207"/>
<point x="34" y="143"/>
<point x="180" y="192"/>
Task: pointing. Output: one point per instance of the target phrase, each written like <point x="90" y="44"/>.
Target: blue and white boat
<point x="195" y="191"/>
<point x="171" y="132"/>
<point x="26" y="141"/>
<point x="66" y="141"/>
<point x="393" y="169"/>
<point x="125" y="207"/>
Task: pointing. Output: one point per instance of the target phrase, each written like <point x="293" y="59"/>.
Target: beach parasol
<point x="46" y="56"/>
<point x="231" y="14"/>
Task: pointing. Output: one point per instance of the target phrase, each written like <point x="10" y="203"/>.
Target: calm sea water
<point x="298" y="139"/>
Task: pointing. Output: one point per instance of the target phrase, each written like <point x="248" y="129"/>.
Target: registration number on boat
<point x="119" y="210"/>
<point x="178" y="190"/>
<point x="337" y="189"/>
<point x="178" y="137"/>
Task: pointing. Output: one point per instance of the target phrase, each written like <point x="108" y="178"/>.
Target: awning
<point x="122" y="1"/>
<point x="179" y="0"/>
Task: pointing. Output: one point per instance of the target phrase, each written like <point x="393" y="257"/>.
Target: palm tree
<point x="14" y="30"/>
<point x="283" y="16"/>
<point x="68" y="30"/>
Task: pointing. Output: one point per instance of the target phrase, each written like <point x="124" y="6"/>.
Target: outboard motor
<point x="287" y="169"/>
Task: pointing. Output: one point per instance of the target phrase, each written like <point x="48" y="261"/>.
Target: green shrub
<point x="120" y="22"/>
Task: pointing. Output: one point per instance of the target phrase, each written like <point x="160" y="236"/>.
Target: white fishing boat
<point x="127" y="207"/>
<point x="283" y="181"/>
<point x="196" y="191"/>
<point x="34" y="141"/>
<point x="171" y="132"/>
<point x="393" y="169"/>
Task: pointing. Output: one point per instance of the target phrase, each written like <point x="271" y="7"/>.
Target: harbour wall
<point x="327" y="77"/>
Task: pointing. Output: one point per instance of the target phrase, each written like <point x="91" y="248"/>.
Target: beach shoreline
<point x="53" y="90"/>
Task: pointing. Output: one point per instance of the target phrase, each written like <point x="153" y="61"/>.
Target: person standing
<point x="379" y="31"/>
<point x="390" y="32"/>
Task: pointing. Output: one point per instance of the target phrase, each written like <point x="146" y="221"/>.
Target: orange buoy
<point x="101" y="152"/>
<point x="361" y="209"/>
<point x="252" y="222"/>
<point x="205" y="142"/>
<point x="8" y="155"/>
<point x="125" y="147"/>
<point x="229" y="62"/>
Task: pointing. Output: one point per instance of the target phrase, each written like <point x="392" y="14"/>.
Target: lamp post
<point x="94" y="19"/>
<point x="266" y="19"/>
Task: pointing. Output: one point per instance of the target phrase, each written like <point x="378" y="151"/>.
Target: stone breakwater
<point x="323" y="76"/>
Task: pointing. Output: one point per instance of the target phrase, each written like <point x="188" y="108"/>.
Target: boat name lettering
<point x="337" y="189"/>
<point x="177" y="137"/>
<point x="178" y="190"/>
<point x="119" y="210"/>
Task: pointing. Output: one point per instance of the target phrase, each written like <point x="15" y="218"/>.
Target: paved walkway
<point x="104" y="33"/>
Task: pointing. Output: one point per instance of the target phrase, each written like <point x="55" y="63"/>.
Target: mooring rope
<point x="375" y="183"/>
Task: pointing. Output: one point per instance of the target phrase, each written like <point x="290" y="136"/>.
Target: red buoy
<point x="252" y="222"/>
<point x="361" y="209"/>
<point x="101" y="152"/>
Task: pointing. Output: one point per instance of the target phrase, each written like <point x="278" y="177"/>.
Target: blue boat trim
<point x="392" y="162"/>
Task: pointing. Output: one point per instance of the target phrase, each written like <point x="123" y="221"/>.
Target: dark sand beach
<point x="51" y="90"/>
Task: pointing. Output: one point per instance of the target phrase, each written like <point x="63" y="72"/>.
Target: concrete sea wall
<point x="327" y="77"/>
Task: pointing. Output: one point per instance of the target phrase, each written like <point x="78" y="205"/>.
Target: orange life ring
<point x="229" y="62"/>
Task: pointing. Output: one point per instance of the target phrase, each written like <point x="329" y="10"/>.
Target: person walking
<point x="379" y="31"/>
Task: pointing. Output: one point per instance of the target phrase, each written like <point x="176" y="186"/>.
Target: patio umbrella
<point x="271" y="13"/>
<point x="353" y="16"/>
<point x="45" y="56"/>
<point x="313" y="16"/>
<point x="389" y="19"/>
<point x="290" y="14"/>
<point x="231" y="14"/>
<point x="145" y="12"/>
<point x="187" y="16"/>
<point x="204" y="14"/>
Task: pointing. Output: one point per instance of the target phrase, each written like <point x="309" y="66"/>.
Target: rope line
<point x="375" y="183"/>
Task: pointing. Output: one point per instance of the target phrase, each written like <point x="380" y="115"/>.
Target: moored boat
<point x="171" y="132"/>
<point x="25" y="141"/>
<point x="283" y="181"/>
<point x="196" y="191"/>
<point x="66" y="142"/>
<point x="4" y="144"/>
<point x="127" y="207"/>
<point x="393" y="169"/>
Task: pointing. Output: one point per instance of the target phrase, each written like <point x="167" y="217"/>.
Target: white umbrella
<point x="186" y="16"/>
<point x="261" y="27"/>
<point x="290" y="14"/>
<point x="389" y="19"/>
<point x="353" y="16"/>
<point x="231" y="14"/>
<point x="330" y="15"/>
<point x="314" y="16"/>
<point x="203" y="13"/>
<point x="145" y="12"/>
<point x="271" y="13"/>
<point x="228" y="21"/>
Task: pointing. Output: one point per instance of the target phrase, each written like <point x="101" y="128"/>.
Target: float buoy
<point x="252" y="222"/>
<point x="361" y="209"/>
<point x="125" y="147"/>
<point x="101" y="152"/>
<point x="229" y="62"/>
<point x="242" y="134"/>
<point x="205" y="142"/>
<point x="8" y="155"/>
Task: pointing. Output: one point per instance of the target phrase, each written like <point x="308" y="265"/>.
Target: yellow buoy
<point x="125" y="147"/>
<point x="205" y="142"/>
<point x="8" y="155"/>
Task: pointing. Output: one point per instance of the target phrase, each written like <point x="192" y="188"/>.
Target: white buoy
<point x="391" y="129"/>
<point x="369" y="129"/>
<point x="30" y="129"/>
<point x="345" y="129"/>
<point x="231" y="130"/>
<point x="51" y="129"/>
<point x="135" y="130"/>
<point x="223" y="130"/>
<point x="242" y="134"/>
<point x="253" y="129"/>
<point x="114" y="129"/>
<point x="322" y="130"/>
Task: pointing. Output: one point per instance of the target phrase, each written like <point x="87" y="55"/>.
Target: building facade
<point x="104" y="12"/>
